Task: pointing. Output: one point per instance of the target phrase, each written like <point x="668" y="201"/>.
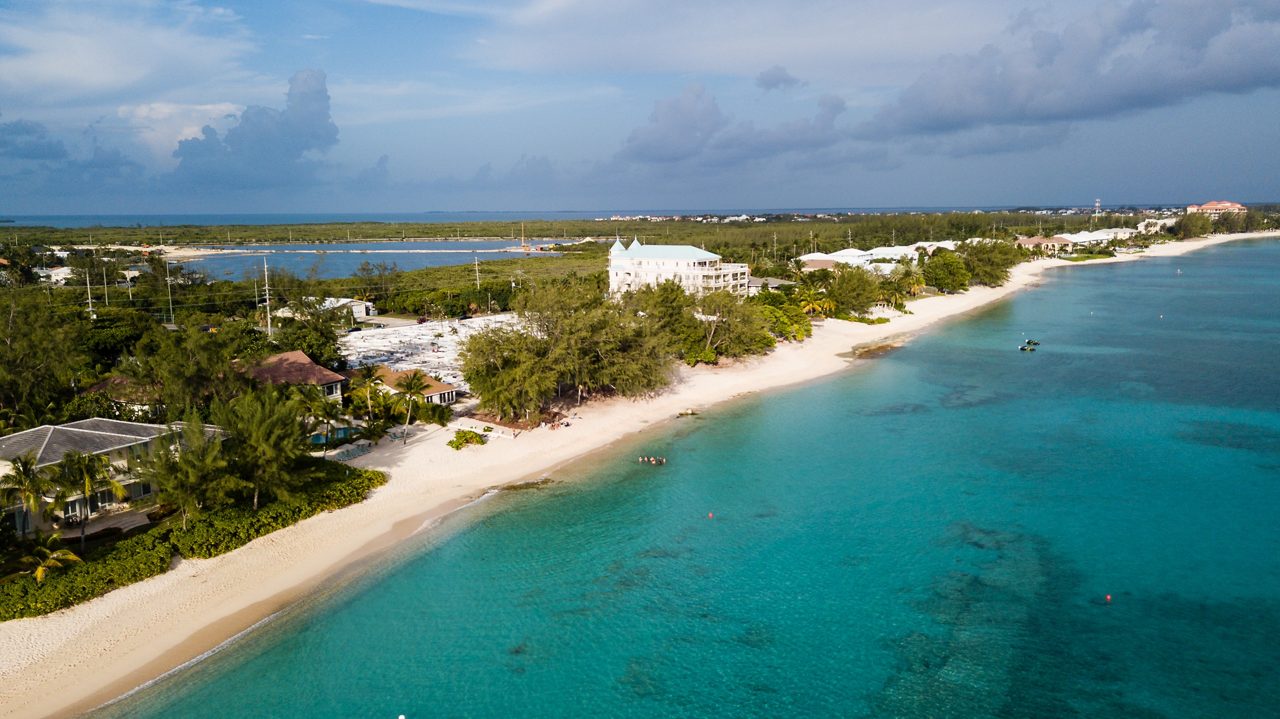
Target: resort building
<point x="117" y="440"/>
<point x="1046" y="245"/>
<point x="696" y="270"/>
<point x="1216" y="208"/>
<point x="296" y="369"/>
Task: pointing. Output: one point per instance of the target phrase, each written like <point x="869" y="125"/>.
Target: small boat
<point x="1027" y="348"/>
<point x="1033" y="343"/>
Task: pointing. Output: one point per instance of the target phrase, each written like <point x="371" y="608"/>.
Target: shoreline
<point x="80" y="658"/>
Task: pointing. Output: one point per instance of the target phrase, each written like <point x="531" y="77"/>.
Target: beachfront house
<point x="117" y="440"/>
<point x="435" y="392"/>
<point x="296" y="369"/>
<point x="694" y="269"/>
<point x="1048" y="246"/>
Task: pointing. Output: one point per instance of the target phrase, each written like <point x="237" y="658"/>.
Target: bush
<point x="207" y="535"/>
<point x="223" y="530"/>
<point x="464" y="437"/>
<point x="132" y="560"/>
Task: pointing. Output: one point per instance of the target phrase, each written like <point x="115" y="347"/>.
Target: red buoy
<point x="711" y="515"/>
<point x="1108" y="599"/>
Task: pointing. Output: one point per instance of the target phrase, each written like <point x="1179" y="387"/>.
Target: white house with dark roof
<point x="696" y="270"/>
<point x="117" y="440"/>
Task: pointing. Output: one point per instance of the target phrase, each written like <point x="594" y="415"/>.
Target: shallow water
<point x="935" y="535"/>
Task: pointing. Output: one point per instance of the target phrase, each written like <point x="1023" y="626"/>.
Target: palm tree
<point x="909" y="277"/>
<point x="411" y="388"/>
<point x="191" y="476"/>
<point x="46" y="554"/>
<point x="795" y="268"/>
<point x="321" y="409"/>
<point x="86" y="474"/>
<point x="28" y="484"/>
<point x="366" y="377"/>
<point x="813" y="301"/>
<point x="267" y="438"/>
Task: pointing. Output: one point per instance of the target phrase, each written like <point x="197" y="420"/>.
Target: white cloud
<point x="80" y="53"/>
<point x="160" y="125"/>
<point x="839" y="43"/>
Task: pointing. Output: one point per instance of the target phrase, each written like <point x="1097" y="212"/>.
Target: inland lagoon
<point x="957" y="528"/>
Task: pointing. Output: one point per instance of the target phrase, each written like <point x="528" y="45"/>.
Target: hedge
<point x="207" y="535"/>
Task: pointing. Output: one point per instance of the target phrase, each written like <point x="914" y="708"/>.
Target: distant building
<point x="358" y="309"/>
<point x="1046" y="245"/>
<point x="1216" y="208"/>
<point x="296" y="369"/>
<point x="54" y="275"/>
<point x="697" y="271"/>
<point x="756" y="285"/>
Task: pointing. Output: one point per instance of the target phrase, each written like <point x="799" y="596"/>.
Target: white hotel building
<point x="697" y="271"/>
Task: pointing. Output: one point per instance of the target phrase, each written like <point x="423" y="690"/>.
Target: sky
<point x="140" y="106"/>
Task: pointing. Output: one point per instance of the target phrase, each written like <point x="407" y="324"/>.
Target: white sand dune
<point x="78" y="658"/>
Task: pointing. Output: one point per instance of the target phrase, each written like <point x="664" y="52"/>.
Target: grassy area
<point x="1085" y="257"/>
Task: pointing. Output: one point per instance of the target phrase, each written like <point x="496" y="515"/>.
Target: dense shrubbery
<point x="207" y="535"/>
<point x="464" y="437"/>
<point x="129" y="561"/>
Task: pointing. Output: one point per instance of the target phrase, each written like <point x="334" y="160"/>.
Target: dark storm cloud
<point x="776" y="78"/>
<point x="268" y="147"/>
<point x="1112" y="60"/>
<point x="26" y="140"/>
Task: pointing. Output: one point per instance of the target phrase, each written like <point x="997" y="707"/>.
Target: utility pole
<point x="168" y="285"/>
<point x="476" y="260"/>
<point x="89" y="293"/>
<point x="105" y="295"/>
<point x="266" y="278"/>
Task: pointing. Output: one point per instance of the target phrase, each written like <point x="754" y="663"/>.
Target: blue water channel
<point x="935" y="534"/>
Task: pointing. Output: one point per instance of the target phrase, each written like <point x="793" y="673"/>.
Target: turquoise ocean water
<point x="933" y="535"/>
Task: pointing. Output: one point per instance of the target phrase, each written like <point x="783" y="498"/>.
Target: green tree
<point x="411" y="388"/>
<point x="184" y="370"/>
<point x="854" y="290"/>
<point x="946" y="272"/>
<point x="45" y="554"/>
<point x="28" y="484"/>
<point x="1193" y="224"/>
<point x="191" y="475"/>
<point x="266" y="436"/>
<point x="40" y="357"/>
<point x="510" y="370"/>
<point x="366" y="378"/>
<point x="989" y="261"/>
<point x="86" y="475"/>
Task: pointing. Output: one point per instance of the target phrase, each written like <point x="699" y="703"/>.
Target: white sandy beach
<point x="76" y="659"/>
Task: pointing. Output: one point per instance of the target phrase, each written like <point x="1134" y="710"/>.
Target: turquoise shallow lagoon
<point x="931" y="536"/>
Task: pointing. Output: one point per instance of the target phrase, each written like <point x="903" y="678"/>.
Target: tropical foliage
<point x="151" y="552"/>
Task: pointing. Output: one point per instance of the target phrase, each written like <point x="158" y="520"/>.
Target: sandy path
<point x="78" y="658"/>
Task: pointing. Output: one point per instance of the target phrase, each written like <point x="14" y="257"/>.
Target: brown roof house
<point x="296" y="368"/>
<point x="436" y="392"/>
